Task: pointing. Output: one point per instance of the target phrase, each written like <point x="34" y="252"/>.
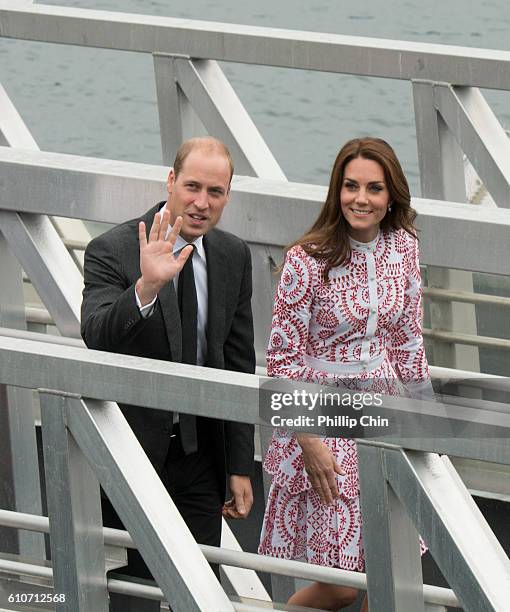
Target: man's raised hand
<point x="158" y="264"/>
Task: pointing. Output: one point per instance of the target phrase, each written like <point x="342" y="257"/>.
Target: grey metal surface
<point x="432" y="594"/>
<point x="427" y="139"/>
<point x="480" y="135"/>
<point x="145" y="507"/>
<point x="466" y="339"/>
<point x="476" y="566"/>
<point x="390" y="540"/>
<point x="74" y="512"/>
<point x="130" y="380"/>
<point x="18" y="453"/>
<point x="20" y="488"/>
<point x="54" y="274"/>
<point x="230" y="395"/>
<point x="482" y="478"/>
<point x="91" y="190"/>
<point x="13" y="131"/>
<point x="260" y="211"/>
<point x="224" y="116"/>
<point x="263" y="258"/>
<point x="168" y="97"/>
<point x="465" y="296"/>
<point x="454" y="316"/>
<point x="245" y="582"/>
<point x="442" y="176"/>
<point x="258" y="45"/>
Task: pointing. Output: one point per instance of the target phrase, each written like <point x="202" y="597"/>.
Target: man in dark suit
<point x="134" y="299"/>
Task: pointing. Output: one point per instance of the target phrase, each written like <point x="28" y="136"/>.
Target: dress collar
<point x="365" y="246"/>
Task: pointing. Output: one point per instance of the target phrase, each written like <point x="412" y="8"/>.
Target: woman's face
<point x="364" y="198"/>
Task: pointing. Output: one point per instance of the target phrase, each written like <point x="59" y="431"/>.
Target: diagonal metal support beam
<point x="479" y="134"/>
<point x="214" y="100"/>
<point x="443" y="511"/>
<point x="41" y="252"/>
<point x="145" y="507"/>
<point x="245" y="582"/>
<point x="13" y="131"/>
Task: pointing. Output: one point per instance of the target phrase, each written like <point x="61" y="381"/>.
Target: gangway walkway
<point x="88" y="442"/>
<point x="411" y="488"/>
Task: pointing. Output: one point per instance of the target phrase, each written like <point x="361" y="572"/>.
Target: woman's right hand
<point x="321" y="467"/>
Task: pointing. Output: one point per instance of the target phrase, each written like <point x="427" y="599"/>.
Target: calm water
<point x="103" y="103"/>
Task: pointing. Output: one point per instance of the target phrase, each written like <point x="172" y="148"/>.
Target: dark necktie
<point x="188" y="307"/>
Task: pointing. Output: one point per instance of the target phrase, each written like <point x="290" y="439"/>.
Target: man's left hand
<point x="240" y="504"/>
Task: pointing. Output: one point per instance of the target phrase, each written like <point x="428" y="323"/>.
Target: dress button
<point x="372" y="278"/>
<point x="373" y="310"/>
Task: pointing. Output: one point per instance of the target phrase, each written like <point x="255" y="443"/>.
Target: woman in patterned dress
<point x="348" y="306"/>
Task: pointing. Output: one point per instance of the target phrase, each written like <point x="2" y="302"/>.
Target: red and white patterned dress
<point x="365" y="324"/>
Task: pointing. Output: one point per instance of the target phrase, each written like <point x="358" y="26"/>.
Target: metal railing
<point x="195" y="96"/>
<point x="432" y="595"/>
<point x="80" y="433"/>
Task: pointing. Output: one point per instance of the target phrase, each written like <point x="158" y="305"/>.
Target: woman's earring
<point x="389" y="207"/>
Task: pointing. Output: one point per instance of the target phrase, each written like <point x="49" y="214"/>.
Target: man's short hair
<point x="208" y="144"/>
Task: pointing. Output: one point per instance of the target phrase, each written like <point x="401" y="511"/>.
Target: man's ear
<point x="170" y="180"/>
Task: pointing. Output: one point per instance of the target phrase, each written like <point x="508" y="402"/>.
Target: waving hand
<point x="158" y="264"/>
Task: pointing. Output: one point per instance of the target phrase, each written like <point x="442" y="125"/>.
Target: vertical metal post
<point x="442" y="177"/>
<point x="177" y="120"/>
<point x="20" y="488"/>
<point x="391" y="543"/>
<point x="74" y="511"/>
<point x="263" y="289"/>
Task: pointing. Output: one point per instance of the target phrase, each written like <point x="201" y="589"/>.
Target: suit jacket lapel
<point x="168" y="301"/>
<point x="216" y="296"/>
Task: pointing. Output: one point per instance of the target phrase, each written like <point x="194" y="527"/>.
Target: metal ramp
<point x="77" y="388"/>
<point x="87" y="442"/>
<point x="34" y="591"/>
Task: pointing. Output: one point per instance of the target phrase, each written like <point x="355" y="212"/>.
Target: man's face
<point x="200" y="192"/>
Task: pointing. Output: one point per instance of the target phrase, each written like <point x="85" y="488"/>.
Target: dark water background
<point x="103" y="103"/>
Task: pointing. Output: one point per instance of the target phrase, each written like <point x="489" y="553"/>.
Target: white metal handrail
<point x="116" y="537"/>
<point x="230" y="395"/>
<point x="257" y="45"/>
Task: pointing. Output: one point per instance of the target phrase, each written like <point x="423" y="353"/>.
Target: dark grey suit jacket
<point x="112" y="322"/>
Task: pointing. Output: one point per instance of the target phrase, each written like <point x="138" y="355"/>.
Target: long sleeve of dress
<point x="291" y="317"/>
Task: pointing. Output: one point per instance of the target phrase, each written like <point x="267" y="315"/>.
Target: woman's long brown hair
<point x="328" y="237"/>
